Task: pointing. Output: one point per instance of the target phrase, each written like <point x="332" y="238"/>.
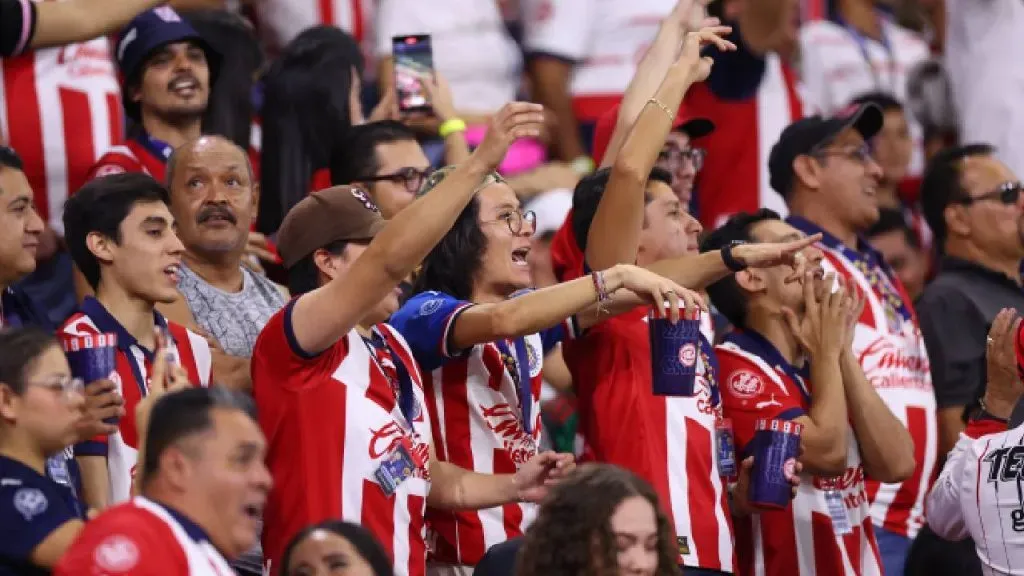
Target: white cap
<point x="551" y="207"/>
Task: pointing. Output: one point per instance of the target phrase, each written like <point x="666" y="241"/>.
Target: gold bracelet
<point x="671" y="116"/>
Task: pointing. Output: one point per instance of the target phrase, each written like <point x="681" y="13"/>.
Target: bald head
<point x="213" y="196"/>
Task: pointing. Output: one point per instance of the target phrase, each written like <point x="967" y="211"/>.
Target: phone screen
<point x="414" y="64"/>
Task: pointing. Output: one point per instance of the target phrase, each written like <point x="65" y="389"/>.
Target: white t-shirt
<point x="984" y="42"/>
<point x="472" y="48"/>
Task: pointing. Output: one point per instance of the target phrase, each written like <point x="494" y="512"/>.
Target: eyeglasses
<point x="860" y="153"/>
<point x="672" y="157"/>
<point x="515" y="219"/>
<point x="410" y="177"/>
<point x="1007" y="193"/>
<point x="65" y="385"/>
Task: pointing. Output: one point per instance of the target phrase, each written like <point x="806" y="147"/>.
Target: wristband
<point x="451" y="126"/>
<point x="583" y="165"/>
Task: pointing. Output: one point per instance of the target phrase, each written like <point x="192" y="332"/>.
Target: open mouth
<point x="519" y="256"/>
<point x="172" y="273"/>
<point x="185" y="87"/>
<point x="253" y="511"/>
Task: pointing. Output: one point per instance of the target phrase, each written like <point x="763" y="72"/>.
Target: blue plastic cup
<point x="675" y="351"/>
<point x="92" y="358"/>
<point x="776" y="447"/>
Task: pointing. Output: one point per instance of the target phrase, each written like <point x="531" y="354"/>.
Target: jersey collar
<point x="194" y="531"/>
<point x="863" y="249"/>
<point x="105" y="322"/>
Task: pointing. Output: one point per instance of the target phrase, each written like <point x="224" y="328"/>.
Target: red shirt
<point x="146" y="156"/>
<point x="330" y="421"/>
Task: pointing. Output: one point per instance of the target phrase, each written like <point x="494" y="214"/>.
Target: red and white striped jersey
<point x="143" y="537"/>
<point x="479" y="416"/>
<point x="605" y="38"/>
<point x="735" y="173"/>
<point x="134" y="155"/>
<point x="800" y="540"/>
<point x="280" y="21"/>
<point x="60" y="108"/>
<point x="331" y="419"/>
<point x="892" y="353"/>
<point x="668" y="441"/>
<point x="132" y="379"/>
<point x="978" y="495"/>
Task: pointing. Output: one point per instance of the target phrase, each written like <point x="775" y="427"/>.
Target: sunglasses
<point x="1006" y="193"/>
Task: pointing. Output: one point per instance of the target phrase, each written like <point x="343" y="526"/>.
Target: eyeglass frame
<point x="67" y="386"/>
<point x="404" y="175"/>
<point x="1000" y="194"/>
<point x="861" y="153"/>
<point x="520" y="216"/>
<point x="674" y="154"/>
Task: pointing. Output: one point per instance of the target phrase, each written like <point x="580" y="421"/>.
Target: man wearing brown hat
<point x="339" y="396"/>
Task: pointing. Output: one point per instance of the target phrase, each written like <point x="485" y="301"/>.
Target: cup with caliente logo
<point x="776" y="448"/>
<point x="92" y="357"/>
<point x="675" y="349"/>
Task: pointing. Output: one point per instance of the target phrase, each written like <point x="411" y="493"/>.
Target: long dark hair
<point x="305" y="115"/>
<point x="359" y="537"/>
<point x="572" y="534"/>
<point x="229" y="111"/>
<point x="455" y="260"/>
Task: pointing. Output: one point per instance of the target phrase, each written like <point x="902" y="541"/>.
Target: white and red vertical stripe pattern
<point x="122" y="447"/>
<point x="60" y="108"/>
<point x="281" y="21"/>
<point x="476" y="418"/>
<point x="896" y="364"/>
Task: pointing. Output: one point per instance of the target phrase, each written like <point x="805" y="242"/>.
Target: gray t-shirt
<point x="233" y="319"/>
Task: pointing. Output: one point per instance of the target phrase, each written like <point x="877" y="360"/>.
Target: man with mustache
<point x="167" y="70"/>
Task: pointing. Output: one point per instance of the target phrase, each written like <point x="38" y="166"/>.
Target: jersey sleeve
<point x="945" y="516"/>
<point x="17" y="26"/>
<point x="123" y="544"/>
<point x="279" y="361"/>
<point x="749" y="394"/>
<point x="426" y="321"/>
<point x="30" y="510"/>
<point x="566" y="256"/>
<point x="559" y="28"/>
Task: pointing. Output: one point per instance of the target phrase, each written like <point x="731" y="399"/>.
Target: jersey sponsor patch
<point x="746" y="384"/>
<point x="116" y="554"/>
<point x="30" y="502"/>
<point x="533" y="358"/>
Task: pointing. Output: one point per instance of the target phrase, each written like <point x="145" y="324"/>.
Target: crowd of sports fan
<point x="343" y="334"/>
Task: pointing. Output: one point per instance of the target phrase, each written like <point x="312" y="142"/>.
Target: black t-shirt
<point x="17" y="25"/>
<point x="32" y="506"/>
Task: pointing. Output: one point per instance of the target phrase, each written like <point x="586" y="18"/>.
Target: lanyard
<point x="759" y="346"/>
<point x="519" y="367"/>
<point x="862" y="45"/>
<point x="401" y="382"/>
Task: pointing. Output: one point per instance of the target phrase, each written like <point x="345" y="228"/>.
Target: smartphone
<point x="414" y="65"/>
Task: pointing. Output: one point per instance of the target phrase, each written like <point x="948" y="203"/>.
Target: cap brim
<point x="695" y="127"/>
<point x="867" y="120"/>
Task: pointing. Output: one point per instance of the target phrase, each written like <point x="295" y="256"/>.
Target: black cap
<point x="805" y="135"/>
<point x="144" y="35"/>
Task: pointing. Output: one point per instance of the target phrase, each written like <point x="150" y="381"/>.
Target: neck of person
<point x="967" y="250"/>
<point x="486" y="293"/>
<point x="861" y="15"/>
<point x="770" y="323"/>
<point x="15" y="445"/>
<point x="197" y="512"/>
<point x="825" y="217"/>
<point x="222" y="270"/>
<point x="174" y="132"/>
<point x="134" y="314"/>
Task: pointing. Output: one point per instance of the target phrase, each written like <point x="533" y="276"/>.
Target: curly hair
<point x="572" y="534"/>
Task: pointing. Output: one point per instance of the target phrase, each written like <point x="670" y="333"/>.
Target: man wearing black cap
<point x="166" y="71"/>
<point x="823" y="168"/>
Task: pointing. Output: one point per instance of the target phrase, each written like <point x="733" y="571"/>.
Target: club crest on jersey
<point x="365" y="199"/>
<point x="430" y="306"/>
<point x="688" y="354"/>
<point x="57" y="469"/>
<point x="746" y="384"/>
<point x="117" y="554"/>
<point x="30" y="502"/>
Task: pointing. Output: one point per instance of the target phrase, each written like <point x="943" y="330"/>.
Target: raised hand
<point x="692" y="15"/>
<point x="515" y="120"/>
<point x="670" y="299"/>
<point x="440" y="96"/>
<point x="165" y="376"/>
<point x="695" y="67"/>
<point x="1001" y="358"/>
<point x="771" y="254"/>
<point x="822" y="330"/>
<point x="854" y="305"/>
<point x="540" y="472"/>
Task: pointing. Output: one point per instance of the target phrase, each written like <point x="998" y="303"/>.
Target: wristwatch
<point x="731" y="262"/>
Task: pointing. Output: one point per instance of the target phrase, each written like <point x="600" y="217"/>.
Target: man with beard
<point x="213" y="199"/>
<point x="823" y="168"/>
<point x="167" y="69"/>
<point x="973" y="204"/>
